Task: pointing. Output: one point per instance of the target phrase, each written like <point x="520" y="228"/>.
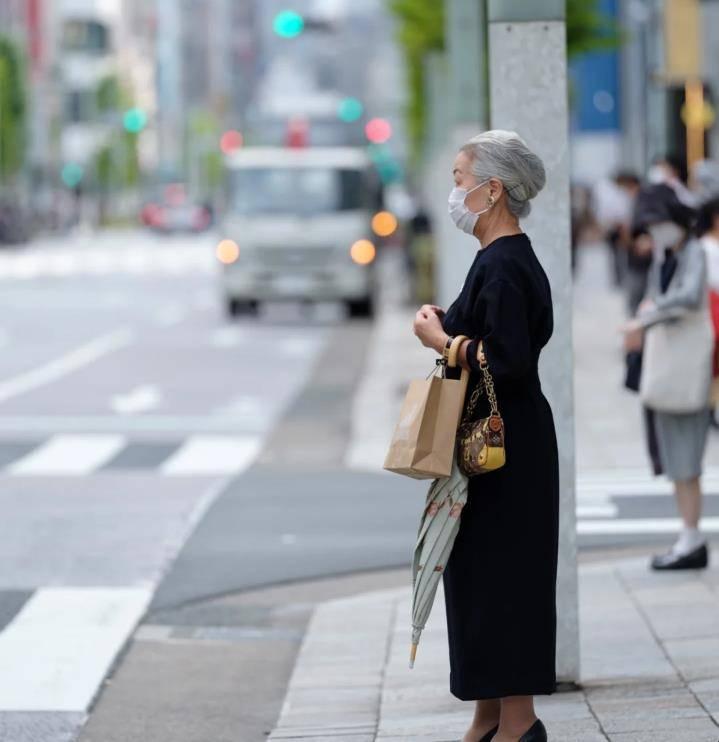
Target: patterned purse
<point x="480" y="443"/>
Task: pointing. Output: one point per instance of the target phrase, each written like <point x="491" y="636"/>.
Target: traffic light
<point x="288" y="24"/>
<point x="134" y="120"/>
<point x="350" y="109"/>
<point x="71" y="174"/>
<point x="378" y="130"/>
<point x="230" y="141"/>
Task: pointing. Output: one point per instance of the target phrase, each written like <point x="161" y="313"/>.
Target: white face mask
<point x="463" y="218"/>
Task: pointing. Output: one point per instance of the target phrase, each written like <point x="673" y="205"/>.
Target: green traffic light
<point x="288" y="24"/>
<point x="72" y="174"/>
<point x="134" y="120"/>
<point x="350" y="109"/>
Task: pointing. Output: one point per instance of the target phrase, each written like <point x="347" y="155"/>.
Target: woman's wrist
<point x="441" y="342"/>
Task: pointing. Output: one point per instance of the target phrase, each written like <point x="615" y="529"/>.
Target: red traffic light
<point x="378" y="130"/>
<point x="230" y="141"/>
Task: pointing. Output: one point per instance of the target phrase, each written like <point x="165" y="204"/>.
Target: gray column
<point x="528" y="93"/>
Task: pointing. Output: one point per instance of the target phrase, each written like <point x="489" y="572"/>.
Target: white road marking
<point x="641" y="525"/>
<point x="64" y="365"/>
<point x="57" y="650"/>
<point x="242" y="406"/>
<point x="227" y="337"/>
<point x="68" y="454"/>
<point x="105" y="259"/>
<point x="139" y="399"/>
<point x="213" y="454"/>
<point x="597" y="511"/>
<point x="218" y="422"/>
<point x="170" y="315"/>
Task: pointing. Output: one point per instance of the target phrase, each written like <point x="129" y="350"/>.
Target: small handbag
<point x="480" y="443"/>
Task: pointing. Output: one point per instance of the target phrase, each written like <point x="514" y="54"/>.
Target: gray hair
<point x="504" y="155"/>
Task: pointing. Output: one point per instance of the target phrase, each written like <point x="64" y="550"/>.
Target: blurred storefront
<point x="654" y="95"/>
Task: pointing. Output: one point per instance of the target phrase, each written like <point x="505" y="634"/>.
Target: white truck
<point x="297" y="222"/>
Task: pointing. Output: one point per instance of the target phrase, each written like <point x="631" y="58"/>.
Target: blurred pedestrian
<point x="613" y="204"/>
<point x="708" y="230"/>
<point x="500" y="579"/>
<point x="671" y="170"/>
<point x="705" y="180"/>
<point x="674" y="327"/>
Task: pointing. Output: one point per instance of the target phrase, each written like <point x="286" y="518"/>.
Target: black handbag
<point x="633" y="371"/>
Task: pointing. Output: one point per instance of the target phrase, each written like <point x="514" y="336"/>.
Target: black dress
<point x="500" y="579"/>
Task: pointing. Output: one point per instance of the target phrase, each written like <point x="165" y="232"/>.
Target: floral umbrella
<point x="440" y="522"/>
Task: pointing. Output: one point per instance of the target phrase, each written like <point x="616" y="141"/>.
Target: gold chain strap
<point x="488" y="385"/>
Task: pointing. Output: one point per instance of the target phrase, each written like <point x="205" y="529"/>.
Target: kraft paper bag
<point x="422" y="446"/>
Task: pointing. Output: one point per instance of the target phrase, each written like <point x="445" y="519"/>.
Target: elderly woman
<point x="500" y="580"/>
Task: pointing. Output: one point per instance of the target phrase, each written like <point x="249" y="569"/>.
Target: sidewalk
<point x="650" y="667"/>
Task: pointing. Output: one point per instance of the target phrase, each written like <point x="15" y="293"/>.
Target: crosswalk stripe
<point x="59" y="647"/>
<point x="68" y="454"/>
<point x="212" y="454"/>
<point x="641" y="525"/>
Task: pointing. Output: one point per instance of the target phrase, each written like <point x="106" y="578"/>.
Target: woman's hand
<point x="647" y="305"/>
<point x="428" y="327"/>
<point x="633" y="335"/>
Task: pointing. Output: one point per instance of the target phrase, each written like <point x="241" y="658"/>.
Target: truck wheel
<point x="360" y="307"/>
<point x="238" y="307"/>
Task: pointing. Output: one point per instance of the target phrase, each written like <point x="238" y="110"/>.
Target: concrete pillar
<point x="528" y="94"/>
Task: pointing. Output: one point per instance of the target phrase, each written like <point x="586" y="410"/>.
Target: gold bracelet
<point x="452" y="356"/>
<point x="445" y="350"/>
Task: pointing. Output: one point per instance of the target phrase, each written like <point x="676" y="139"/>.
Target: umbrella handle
<point x="412" y="655"/>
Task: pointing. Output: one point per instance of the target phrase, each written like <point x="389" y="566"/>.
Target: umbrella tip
<point x="412" y="655"/>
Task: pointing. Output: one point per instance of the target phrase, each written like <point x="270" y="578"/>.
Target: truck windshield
<point x="296" y="191"/>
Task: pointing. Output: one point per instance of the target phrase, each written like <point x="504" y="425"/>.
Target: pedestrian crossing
<point x="159" y="260"/>
<point x="86" y="454"/>
<point x="57" y="649"/>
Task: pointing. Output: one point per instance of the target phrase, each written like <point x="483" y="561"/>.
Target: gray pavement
<point x="649" y="653"/>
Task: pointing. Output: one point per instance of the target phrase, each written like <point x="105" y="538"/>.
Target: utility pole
<point x="528" y="93"/>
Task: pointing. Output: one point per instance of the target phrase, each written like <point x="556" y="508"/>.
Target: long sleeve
<point x="501" y="305"/>
<point x="686" y="291"/>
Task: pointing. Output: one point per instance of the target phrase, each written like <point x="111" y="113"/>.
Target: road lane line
<point x="140" y="399"/>
<point x="64" y="365"/>
<point x="213" y="454"/>
<point x="68" y="454"/>
<point x="59" y="647"/>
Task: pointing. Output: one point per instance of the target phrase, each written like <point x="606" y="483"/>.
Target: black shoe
<point x="488" y="737"/>
<point x="535" y="733"/>
<point x="696" y="559"/>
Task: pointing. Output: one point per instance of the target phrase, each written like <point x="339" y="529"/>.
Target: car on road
<point x="174" y="211"/>
<point x="296" y="225"/>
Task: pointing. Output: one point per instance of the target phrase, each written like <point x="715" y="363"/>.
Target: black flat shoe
<point x="488" y="737"/>
<point x="696" y="559"/>
<point x="535" y="733"/>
